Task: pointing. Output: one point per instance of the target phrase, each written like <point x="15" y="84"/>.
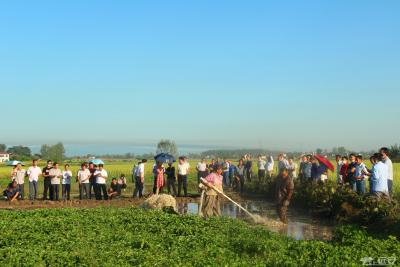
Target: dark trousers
<point x="66" y="192"/>
<point x="92" y="188"/>
<point x="20" y="188"/>
<point x="47" y="192"/>
<point x="241" y="183"/>
<point x="171" y="186"/>
<point x="102" y="189"/>
<point x="139" y="186"/>
<point x="249" y="173"/>
<point x="261" y="175"/>
<point x="182" y="181"/>
<point x="55" y="189"/>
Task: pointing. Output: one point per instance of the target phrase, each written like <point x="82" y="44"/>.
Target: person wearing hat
<point x="212" y="202"/>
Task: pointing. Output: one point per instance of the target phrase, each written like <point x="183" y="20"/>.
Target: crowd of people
<point x="351" y="171"/>
<point x="91" y="178"/>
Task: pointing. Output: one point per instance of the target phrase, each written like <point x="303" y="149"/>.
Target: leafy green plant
<point x="130" y="236"/>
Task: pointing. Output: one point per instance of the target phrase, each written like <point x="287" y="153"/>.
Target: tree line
<point x="54" y="152"/>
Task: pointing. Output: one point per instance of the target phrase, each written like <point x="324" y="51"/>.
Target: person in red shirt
<point x="344" y="170"/>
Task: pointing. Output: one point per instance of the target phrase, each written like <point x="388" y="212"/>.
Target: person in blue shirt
<point x="379" y="177"/>
<point x="360" y="174"/>
<point x="317" y="170"/>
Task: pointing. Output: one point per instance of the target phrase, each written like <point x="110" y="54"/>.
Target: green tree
<point x="395" y="151"/>
<point x="167" y="146"/>
<point x="45" y="152"/>
<point x="55" y="152"/>
<point x="3" y="148"/>
<point x="342" y="151"/>
<point x="20" y="153"/>
<point x="319" y="150"/>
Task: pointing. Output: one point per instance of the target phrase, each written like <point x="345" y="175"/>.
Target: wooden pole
<point x="228" y="198"/>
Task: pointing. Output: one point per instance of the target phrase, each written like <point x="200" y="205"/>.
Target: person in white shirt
<point x="339" y="164"/>
<point x="225" y="174"/>
<point x="34" y="172"/>
<point x="183" y="172"/>
<point x="388" y="162"/>
<point x="261" y="168"/>
<point x="270" y="166"/>
<point x="83" y="178"/>
<point x="379" y="176"/>
<point x="293" y="167"/>
<point x="201" y="170"/>
<point x="55" y="175"/>
<point x="18" y="175"/>
<point x="138" y="174"/>
<point x="66" y="183"/>
<point x="101" y="176"/>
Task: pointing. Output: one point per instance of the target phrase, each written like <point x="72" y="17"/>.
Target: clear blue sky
<point x="283" y="74"/>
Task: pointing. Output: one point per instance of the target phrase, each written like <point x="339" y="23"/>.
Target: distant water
<point x="118" y="149"/>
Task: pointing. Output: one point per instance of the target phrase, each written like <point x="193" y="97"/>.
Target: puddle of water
<point x="301" y="225"/>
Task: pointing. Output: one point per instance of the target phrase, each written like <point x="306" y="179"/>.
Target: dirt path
<point x="76" y="203"/>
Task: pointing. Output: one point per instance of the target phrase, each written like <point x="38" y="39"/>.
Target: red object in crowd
<point x="325" y="162"/>
<point x="343" y="172"/>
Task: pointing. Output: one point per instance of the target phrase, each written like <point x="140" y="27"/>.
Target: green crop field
<point x="134" y="237"/>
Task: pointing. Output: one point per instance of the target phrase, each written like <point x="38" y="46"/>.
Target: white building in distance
<point x="4" y="157"/>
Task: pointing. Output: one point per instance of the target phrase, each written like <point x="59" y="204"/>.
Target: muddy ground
<point x="76" y="203"/>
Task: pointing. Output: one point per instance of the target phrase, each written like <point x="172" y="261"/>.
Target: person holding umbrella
<point x="320" y="166"/>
